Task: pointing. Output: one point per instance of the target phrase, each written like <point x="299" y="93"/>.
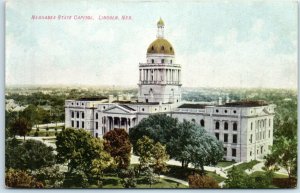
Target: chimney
<point x="220" y="100"/>
<point x="110" y="98"/>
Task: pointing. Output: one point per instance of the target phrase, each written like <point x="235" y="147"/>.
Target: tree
<point x="284" y="154"/>
<point x="21" y="179"/>
<point x="200" y="181"/>
<point x="192" y="144"/>
<point x="31" y="154"/>
<point x="185" y="142"/>
<point x="52" y="177"/>
<point x="144" y="150"/>
<point x="160" y="158"/>
<point x="149" y="175"/>
<point x="79" y="150"/>
<point x="117" y="144"/>
<point x="158" y="127"/>
<point x="128" y="179"/>
<point x="21" y="126"/>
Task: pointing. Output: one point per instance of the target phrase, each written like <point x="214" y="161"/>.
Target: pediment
<point x="117" y="110"/>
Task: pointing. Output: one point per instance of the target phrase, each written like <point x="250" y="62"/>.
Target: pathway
<point x="175" y="180"/>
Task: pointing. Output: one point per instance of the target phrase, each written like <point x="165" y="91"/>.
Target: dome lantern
<point x="160" y="28"/>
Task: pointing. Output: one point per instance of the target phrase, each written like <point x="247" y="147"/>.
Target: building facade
<point x="245" y="127"/>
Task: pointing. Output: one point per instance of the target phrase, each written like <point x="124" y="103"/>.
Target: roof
<point x="192" y="106"/>
<point x="160" y="46"/>
<point x="91" y="99"/>
<point x="127" y="107"/>
<point x="160" y="23"/>
<point x="246" y="104"/>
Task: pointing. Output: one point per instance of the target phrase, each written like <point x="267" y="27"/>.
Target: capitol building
<point x="245" y="127"/>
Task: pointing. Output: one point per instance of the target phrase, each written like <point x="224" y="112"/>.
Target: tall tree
<point x="117" y="144"/>
<point x="31" y="154"/>
<point x="79" y="149"/>
<point x="284" y="154"/>
<point x="21" y="126"/>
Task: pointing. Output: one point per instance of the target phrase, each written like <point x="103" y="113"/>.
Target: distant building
<point x="245" y="127"/>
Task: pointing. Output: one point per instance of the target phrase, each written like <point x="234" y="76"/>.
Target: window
<point x="225" y="151"/>
<point x="217" y="135"/>
<point x="217" y="111"/>
<point x="72" y="114"/>
<point x="234" y="111"/>
<point x="82" y="104"/>
<point x="152" y="48"/>
<point x="96" y="135"/>
<point x="104" y="107"/>
<point x="250" y="153"/>
<point x="82" y="125"/>
<point x="77" y="114"/>
<point x="234" y="126"/>
<point x="143" y="108"/>
<point x="162" y="61"/>
<point x="225" y="138"/>
<point x="202" y="123"/>
<point x="77" y="124"/>
<point x="171" y="61"/>
<point x="96" y="125"/>
<point x="217" y="125"/>
<point x="72" y="123"/>
<point x="251" y="126"/>
<point x="250" y="138"/>
<point x="233" y="151"/>
<point x="82" y="115"/>
<point x="152" y="61"/>
<point x="96" y="115"/>
<point x="226" y="126"/>
<point x="171" y="48"/>
<point x="225" y="111"/>
<point x="234" y="138"/>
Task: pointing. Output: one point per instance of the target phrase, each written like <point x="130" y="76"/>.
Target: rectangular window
<point x="96" y="125"/>
<point x="233" y="151"/>
<point x="217" y="135"/>
<point x="250" y="153"/>
<point x="250" y="138"/>
<point x="82" y="125"/>
<point x="234" y="138"/>
<point x="77" y="114"/>
<point x="83" y="115"/>
<point x="225" y="138"/>
<point x="77" y="124"/>
<point x="72" y="123"/>
<point x="72" y="114"/>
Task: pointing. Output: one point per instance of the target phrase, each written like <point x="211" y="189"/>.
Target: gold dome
<point x="160" y="46"/>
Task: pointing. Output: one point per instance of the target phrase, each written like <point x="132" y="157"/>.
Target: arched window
<point x="234" y="126"/>
<point x="202" y="123"/>
<point x="152" y="48"/>
<point x="152" y="61"/>
<point x="217" y="125"/>
<point x="82" y="115"/>
<point x="226" y="126"/>
<point x="251" y="125"/>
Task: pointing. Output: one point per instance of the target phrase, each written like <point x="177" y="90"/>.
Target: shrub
<point x="198" y="181"/>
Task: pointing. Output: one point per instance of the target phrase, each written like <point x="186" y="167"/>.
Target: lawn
<point x="114" y="182"/>
<point x="224" y="164"/>
<point x="245" y="166"/>
<point x="183" y="173"/>
<point x="261" y="173"/>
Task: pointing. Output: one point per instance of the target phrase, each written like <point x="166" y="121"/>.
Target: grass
<point x="245" y="166"/>
<point x="224" y="164"/>
<point x="261" y="173"/>
<point x="183" y="173"/>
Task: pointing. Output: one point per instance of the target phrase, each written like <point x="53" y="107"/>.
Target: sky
<point x="218" y="43"/>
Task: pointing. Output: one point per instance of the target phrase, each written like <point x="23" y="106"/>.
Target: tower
<point x="160" y="76"/>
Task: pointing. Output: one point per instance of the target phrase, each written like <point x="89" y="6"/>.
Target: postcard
<point x="151" y="94"/>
